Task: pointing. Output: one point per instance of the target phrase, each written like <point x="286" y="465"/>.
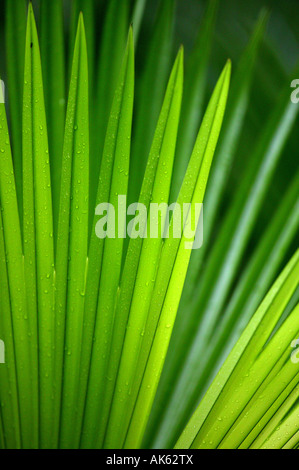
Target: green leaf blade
<point x="38" y="223"/>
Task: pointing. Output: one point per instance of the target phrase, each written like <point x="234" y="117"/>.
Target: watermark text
<point x="184" y="221"/>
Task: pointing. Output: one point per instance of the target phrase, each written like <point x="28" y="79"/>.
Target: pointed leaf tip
<point x="31" y="18"/>
<point x="131" y="34"/>
<point x="226" y="72"/>
<point x="181" y="52"/>
<point x="81" y="22"/>
<point x="228" y="65"/>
